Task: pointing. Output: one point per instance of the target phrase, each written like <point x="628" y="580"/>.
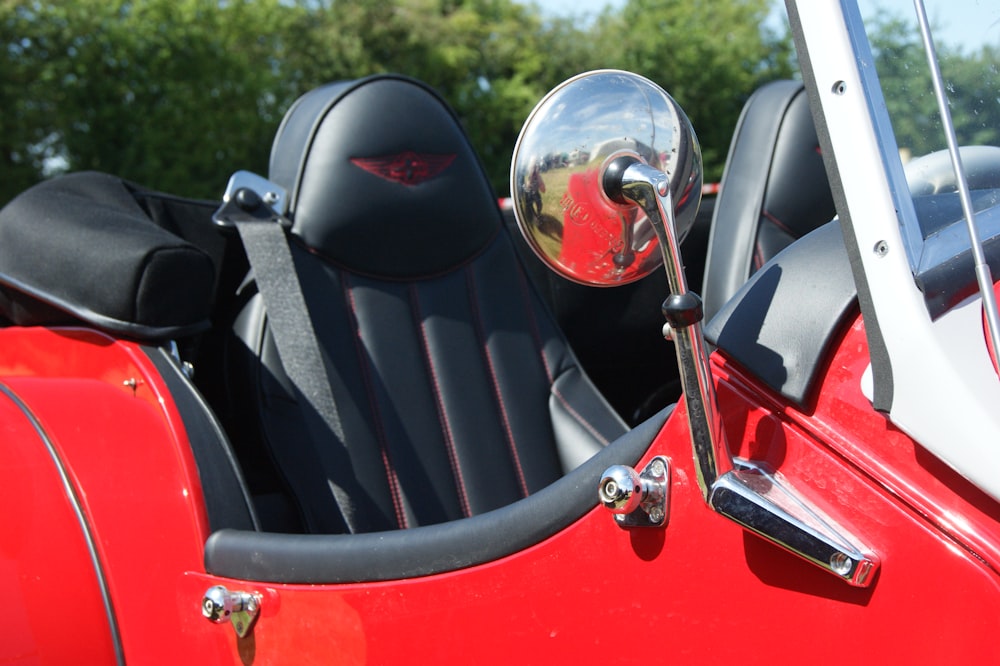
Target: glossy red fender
<point x="104" y="408"/>
<point x="700" y="590"/>
<point x="53" y="609"/>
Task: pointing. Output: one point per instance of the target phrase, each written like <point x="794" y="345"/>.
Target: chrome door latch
<point x="240" y="608"/>
<point x="637" y="499"/>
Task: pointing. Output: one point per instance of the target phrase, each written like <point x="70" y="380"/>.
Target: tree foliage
<point x="177" y="94"/>
<point x="708" y="55"/>
<point x="972" y="82"/>
<point x="166" y="92"/>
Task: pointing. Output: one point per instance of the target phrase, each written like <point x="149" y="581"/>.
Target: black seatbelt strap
<point x="265" y="240"/>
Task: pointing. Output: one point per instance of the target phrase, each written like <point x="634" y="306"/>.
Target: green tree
<point x="491" y="59"/>
<point x="709" y="55"/>
<point x="175" y="94"/>
<point x="972" y="83"/>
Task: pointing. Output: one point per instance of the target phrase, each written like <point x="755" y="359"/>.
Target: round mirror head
<point x="558" y="168"/>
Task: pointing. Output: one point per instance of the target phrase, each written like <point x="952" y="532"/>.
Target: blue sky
<point x="970" y="22"/>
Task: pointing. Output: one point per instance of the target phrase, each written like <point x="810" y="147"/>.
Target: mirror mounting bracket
<point x="743" y="491"/>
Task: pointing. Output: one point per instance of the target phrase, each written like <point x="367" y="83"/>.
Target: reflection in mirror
<point x="559" y="163"/>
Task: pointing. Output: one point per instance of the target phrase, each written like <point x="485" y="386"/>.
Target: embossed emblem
<point x="408" y="168"/>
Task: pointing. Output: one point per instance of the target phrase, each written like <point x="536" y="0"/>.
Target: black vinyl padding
<point x="780" y="325"/>
<point x="327" y="559"/>
<point x="227" y="499"/>
<point x="456" y="392"/>
<point x="774" y="189"/>
<point x="328" y="152"/>
<point x="94" y="248"/>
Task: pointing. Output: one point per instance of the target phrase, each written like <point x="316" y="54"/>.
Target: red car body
<point x="102" y="541"/>
<point x="696" y="590"/>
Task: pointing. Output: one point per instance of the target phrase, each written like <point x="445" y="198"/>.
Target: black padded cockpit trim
<point x="423" y="551"/>
<point x="781" y="323"/>
<point x="227" y="500"/>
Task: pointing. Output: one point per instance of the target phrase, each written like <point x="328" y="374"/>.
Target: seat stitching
<point x="536" y="334"/>
<point x="390" y="471"/>
<point x="778" y="223"/>
<point x="449" y="438"/>
<point x="491" y="368"/>
<point x="579" y="417"/>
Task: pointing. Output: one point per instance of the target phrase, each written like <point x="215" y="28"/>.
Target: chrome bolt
<point x="657" y="468"/>
<point x="636" y="499"/>
<point x="214" y="604"/>
<point x="240" y="608"/>
<point x="840" y="563"/>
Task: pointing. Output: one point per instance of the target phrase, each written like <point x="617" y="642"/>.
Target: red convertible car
<point x="344" y="415"/>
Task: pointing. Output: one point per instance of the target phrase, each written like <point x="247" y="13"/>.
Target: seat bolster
<point x="582" y="421"/>
<point x="741" y="196"/>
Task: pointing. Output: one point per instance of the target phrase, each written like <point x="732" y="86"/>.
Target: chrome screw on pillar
<point x="636" y="499"/>
<point x="240" y="608"/>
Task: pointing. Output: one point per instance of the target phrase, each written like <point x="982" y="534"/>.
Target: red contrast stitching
<point x="449" y="439"/>
<point x="390" y="472"/>
<point x="470" y="280"/>
<point x="536" y="334"/>
<point x="576" y="415"/>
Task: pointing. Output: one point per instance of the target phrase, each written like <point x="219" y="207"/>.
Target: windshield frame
<point x="933" y="376"/>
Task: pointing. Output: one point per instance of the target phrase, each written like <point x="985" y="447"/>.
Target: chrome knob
<point x="240" y="608"/>
<point x="620" y="489"/>
<point x="637" y="499"/>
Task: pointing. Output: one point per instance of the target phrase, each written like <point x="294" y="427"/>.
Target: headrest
<point x="382" y="179"/>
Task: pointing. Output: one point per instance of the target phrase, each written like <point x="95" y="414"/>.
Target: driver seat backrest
<point x="456" y="391"/>
<point x="774" y="190"/>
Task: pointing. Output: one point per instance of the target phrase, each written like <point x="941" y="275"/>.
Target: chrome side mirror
<point x="563" y="155"/>
<point x="606" y="181"/>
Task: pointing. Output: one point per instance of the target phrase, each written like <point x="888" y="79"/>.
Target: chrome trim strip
<point x="74" y="500"/>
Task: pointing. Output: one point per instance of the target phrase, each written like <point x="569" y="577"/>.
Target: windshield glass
<point x="966" y="37"/>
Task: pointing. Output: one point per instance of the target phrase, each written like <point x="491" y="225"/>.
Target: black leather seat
<point x="774" y="190"/>
<point x="456" y="391"/>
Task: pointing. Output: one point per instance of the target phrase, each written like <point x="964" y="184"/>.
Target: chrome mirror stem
<point x="648" y="188"/>
<point x="742" y="491"/>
